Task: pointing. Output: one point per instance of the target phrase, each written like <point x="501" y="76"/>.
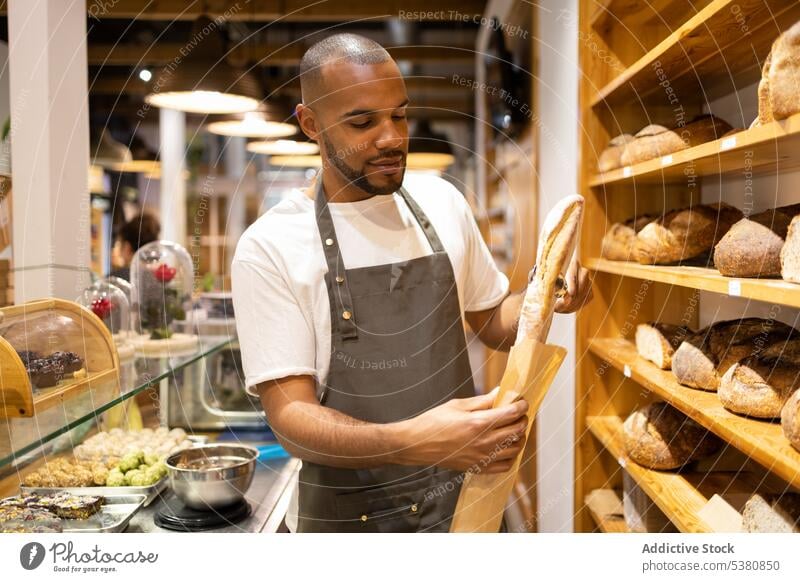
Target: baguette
<point x="684" y="234"/>
<point x="619" y="243"/>
<point x="659" y="436"/>
<point x="657" y="342"/>
<point x="784" y="74"/>
<point x="752" y="247"/>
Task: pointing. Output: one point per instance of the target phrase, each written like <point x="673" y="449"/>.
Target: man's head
<point x="354" y="106"/>
<point x="137" y="232"/>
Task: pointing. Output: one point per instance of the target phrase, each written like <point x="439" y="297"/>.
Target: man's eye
<point x="398" y="117"/>
<point x="361" y="125"/>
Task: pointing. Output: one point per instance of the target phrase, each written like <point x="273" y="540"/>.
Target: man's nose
<point x="391" y="138"/>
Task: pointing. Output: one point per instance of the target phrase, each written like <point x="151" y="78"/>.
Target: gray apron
<point x="397" y="349"/>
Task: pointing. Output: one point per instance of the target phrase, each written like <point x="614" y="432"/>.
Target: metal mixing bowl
<point x="212" y="476"/>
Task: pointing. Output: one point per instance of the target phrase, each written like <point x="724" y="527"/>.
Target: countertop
<point x="268" y="496"/>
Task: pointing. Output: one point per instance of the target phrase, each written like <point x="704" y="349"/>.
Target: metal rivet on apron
<point x="346" y="315"/>
<point x="329" y="242"/>
<point x="414" y="508"/>
<point x="340" y="279"/>
<point x="363" y="518"/>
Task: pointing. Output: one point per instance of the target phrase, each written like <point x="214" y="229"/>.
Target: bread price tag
<point x="626" y="370"/>
<point x="728" y="143"/>
<point x="666" y="160"/>
<point x="735" y="288"/>
<point x="623" y="462"/>
<point x="626" y="172"/>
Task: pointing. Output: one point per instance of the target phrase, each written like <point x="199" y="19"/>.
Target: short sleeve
<point x="485" y="286"/>
<point x="275" y="338"/>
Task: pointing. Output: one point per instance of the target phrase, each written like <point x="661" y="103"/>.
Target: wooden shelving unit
<point x="605" y="506"/>
<point x="694" y="51"/>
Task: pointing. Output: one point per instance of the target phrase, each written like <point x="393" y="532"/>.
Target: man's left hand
<point x="579" y="289"/>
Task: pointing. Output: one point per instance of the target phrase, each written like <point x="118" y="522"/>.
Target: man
<point x="349" y="300"/>
<point x="137" y="232"/>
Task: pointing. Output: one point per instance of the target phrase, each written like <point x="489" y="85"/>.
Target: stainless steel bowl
<point x="212" y="476"/>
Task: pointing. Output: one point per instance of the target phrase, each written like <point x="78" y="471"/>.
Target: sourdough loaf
<point x="764" y="105"/>
<point x="619" y="242"/>
<point x="752" y="246"/>
<point x="759" y="386"/>
<point x="784" y="74"/>
<point x="790" y="420"/>
<point x="657" y="342"/>
<point x="703" y="358"/>
<point x="790" y="253"/>
<point x="772" y="514"/>
<point x="654" y="141"/>
<point x="659" y="436"/>
<point x="611" y="157"/>
<point x="685" y="233"/>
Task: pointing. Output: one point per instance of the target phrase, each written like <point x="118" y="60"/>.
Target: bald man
<point x="350" y="299"/>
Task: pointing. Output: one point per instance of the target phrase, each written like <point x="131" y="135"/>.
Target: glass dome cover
<point x="111" y="305"/>
<point x="161" y="274"/>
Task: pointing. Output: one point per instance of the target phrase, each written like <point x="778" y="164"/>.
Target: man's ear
<point x="308" y="121"/>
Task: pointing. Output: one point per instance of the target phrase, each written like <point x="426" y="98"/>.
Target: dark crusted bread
<point x="685" y="233"/>
<point x="619" y="241"/>
<point x="772" y="514"/>
<point x="659" y="436"/>
<point x="657" y="342"/>
<point x="784" y="74"/>
<point x="703" y="358"/>
<point x="752" y="246"/>
<point x="790" y="420"/>
<point x="610" y="158"/>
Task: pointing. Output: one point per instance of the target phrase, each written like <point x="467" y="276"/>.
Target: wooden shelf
<point x="672" y="492"/>
<point x="605" y="505"/>
<point x="762" y="441"/>
<point x="769" y="290"/>
<point x="764" y="149"/>
<point x="711" y="54"/>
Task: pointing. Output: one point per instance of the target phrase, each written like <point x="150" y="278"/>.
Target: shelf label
<point x="666" y="160"/>
<point x="626" y="172"/>
<point x="735" y="288"/>
<point x="622" y="462"/>
<point x="728" y="143"/>
<point x="626" y="370"/>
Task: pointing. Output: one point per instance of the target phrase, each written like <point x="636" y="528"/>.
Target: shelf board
<point x="774" y="291"/>
<point x="711" y="54"/>
<point x="672" y="492"/>
<point x="762" y="441"/>
<point x="605" y="505"/>
<point x="767" y="148"/>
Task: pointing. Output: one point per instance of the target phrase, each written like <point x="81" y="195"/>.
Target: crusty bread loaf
<point x="759" y="386"/>
<point x="772" y="514"/>
<point x="752" y="246"/>
<point x="790" y="419"/>
<point x="764" y="105"/>
<point x="703" y="358"/>
<point x="659" y="436"/>
<point x="685" y="233"/>
<point x="790" y="253"/>
<point x="784" y="74"/>
<point x="611" y="157"/>
<point x="657" y="342"/>
<point x="619" y="242"/>
<point x="654" y="141"/>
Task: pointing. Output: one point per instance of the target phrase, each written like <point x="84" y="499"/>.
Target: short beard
<point x="357" y="178"/>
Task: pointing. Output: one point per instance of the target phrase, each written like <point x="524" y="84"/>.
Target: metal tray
<point x="114" y="515"/>
<point x="150" y="492"/>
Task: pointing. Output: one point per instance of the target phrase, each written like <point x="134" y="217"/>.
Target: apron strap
<point x="343" y="316"/>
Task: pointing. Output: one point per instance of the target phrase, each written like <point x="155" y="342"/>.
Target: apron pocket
<point x="390" y="508"/>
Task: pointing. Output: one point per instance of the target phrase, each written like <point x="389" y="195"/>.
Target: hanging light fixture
<point x="428" y="150"/>
<point x="108" y="152"/>
<point x="144" y="160"/>
<point x="269" y="121"/>
<point x="283" y="147"/>
<point x="202" y="82"/>
<point x="303" y="161"/>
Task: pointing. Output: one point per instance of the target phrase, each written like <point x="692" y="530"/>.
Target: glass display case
<point x="161" y="275"/>
<point x="112" y="306"/>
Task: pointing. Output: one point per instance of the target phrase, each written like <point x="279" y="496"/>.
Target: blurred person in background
<point x="137" y="232"/>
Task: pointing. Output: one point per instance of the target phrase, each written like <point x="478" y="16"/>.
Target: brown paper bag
<point x="532" y="367"/>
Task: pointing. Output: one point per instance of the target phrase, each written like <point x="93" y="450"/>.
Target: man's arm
<point x="461" y="434"/>
<point x="497" y="327"/>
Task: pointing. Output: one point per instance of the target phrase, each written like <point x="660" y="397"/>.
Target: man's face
<point x="363" y="127"/>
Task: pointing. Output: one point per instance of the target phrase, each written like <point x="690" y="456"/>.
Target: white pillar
<point x="235" y="167"/>
<point x="50" y="147"/>
<point x="172" y="136"/>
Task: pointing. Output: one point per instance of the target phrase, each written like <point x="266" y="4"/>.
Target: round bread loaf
<point x="758" y="387"/>
<point x="790" y="419"/>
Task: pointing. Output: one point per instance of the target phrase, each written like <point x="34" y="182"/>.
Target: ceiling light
<point x="202" y="82"/>
<point x="428" y="150"/>
<point x="264" y="123"/>
<point x="283" y="147"/>
<point x="144" y="160"/>
<point x="305" y="161"/>
<point x="108" y="152"/>
<point x="145" y="75"/>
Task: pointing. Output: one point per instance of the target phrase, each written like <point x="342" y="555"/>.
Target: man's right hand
<point x="465" y="434"/>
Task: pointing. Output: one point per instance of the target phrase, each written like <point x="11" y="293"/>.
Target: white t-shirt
<point x="279" y="294"/>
